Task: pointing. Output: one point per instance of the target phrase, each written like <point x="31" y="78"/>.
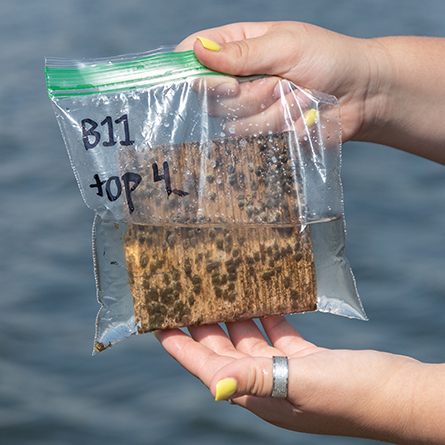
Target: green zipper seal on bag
<point x="77" y="77"/>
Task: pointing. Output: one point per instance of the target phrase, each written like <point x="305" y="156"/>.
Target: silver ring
<point x="280" y="377"/>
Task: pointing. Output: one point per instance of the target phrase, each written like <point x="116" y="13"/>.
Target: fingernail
<point x="225" y="388"/>
<point x="311" y="117"/>
<point x="209" y="44"/>
<point x="281" y="89"/>
<point x="227" y="89"/>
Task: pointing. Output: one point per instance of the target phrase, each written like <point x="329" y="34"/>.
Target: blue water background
<point x="52" y="392"/>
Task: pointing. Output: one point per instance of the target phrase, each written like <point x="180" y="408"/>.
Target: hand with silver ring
<point x="294" y="384"/>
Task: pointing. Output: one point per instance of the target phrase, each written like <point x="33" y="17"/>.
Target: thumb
<point x="248" y="376"/>
<point x="241" y="57"/>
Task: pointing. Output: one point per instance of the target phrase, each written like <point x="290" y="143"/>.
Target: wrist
<point x="374" y="91"/>
<point x="405" y="98"/>
<point x="407" y="403"/>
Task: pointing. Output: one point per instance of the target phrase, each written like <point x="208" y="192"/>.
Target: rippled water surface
<point x="52" y="391"/>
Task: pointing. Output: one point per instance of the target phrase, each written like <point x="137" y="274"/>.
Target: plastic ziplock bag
<point x="217" y="198"/>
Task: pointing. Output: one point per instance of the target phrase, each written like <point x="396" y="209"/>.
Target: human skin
<point x="367" y="394"/>
<point x="391" y="91"/>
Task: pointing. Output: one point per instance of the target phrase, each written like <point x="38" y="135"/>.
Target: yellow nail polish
<point x="209" y="44"/>
<point x="311" y="117"/>
<point x="225" y="388"/>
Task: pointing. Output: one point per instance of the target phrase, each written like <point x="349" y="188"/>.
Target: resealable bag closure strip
<point x="176" y="172"/>
<point x="66" y="77"/>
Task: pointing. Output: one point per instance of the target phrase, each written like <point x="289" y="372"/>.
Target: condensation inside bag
<point x="209" y="207"/>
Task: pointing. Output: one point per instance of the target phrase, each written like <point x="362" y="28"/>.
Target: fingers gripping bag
<point x="216" y="198"/>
